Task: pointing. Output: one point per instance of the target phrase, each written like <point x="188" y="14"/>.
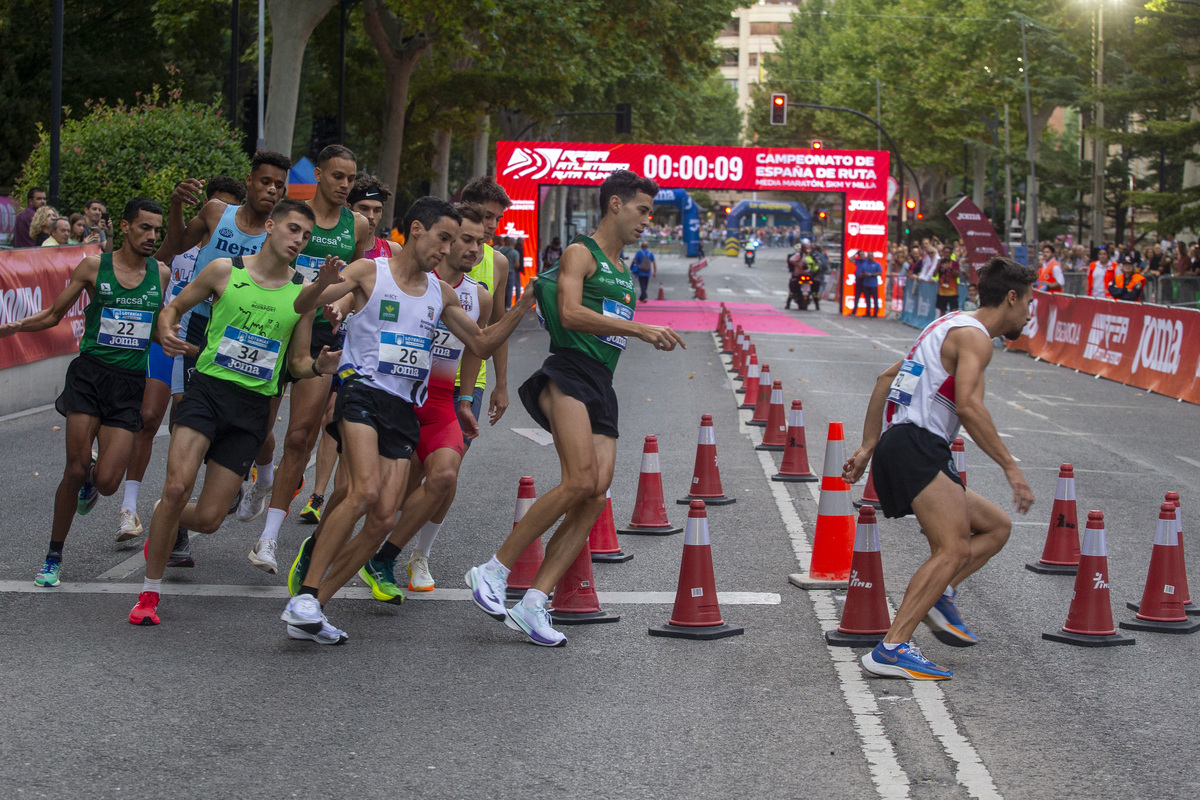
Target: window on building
<point x="769" y="28"/>
<point x="729" y="57"/>
<point x="731" y="28"/>
<point x="754" y="59"/>
<point x="732" y="83"/>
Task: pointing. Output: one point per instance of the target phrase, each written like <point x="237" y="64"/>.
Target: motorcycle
<point x="803" y="290"/>
<point x="751" y="246"/>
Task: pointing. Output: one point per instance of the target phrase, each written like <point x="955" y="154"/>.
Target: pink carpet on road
<point x="701" y="315"/>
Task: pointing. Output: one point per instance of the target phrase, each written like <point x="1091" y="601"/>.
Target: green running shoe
<point x="300" y="567"/>
<point x="379" y="575"/>
<point x="49" y="575"/>
<point x="88" y="494"/>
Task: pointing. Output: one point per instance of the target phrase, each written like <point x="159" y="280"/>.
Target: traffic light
<point x="817" y="144"/>
<point x="821" y="215"/>
<point x="920" y="216"/>
<point x="728" y="209"/>
<point x="779" y="109"/>
<point x="624" y="118"/>
<point x="910" y="204"/>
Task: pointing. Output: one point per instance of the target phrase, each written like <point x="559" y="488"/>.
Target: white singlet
<point x="447" y="349"/>
<point x="923" y="392"/>
<point x="390" y="339"/>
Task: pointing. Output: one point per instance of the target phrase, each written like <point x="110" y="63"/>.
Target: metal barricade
<point x="1174" y="290"/>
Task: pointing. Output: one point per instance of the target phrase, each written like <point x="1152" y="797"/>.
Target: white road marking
<point x="127" y="567"/>
<point x="723" y="290"/>
<point x="536" y="435"/>
<point x="26" y="413"/>
<point x="752" y="291"/>
<point x="1187" y="460"/>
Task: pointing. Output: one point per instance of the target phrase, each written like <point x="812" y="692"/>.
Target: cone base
<point x="757" y="424"/>
<point x="1042" y="568"/>
<point x="747" y="406"/>
<point x="1088" y="640"/>
<point x="684" y="632"/>
<point x="836" y="638"/>
<point x="875" y="504"/>
<point x="771" y="448"/>
<point x="1184" y="626"/>
<point x="708" y="501"/>
<point x="582" y="617"/>
<point x="659" y="530"/>
<point x="1191" y="609"/>
<point x="806" y="581"/>
<point x="740" y="390"/>
<point x="618" y="557"/>
<point x="783" y="478"/>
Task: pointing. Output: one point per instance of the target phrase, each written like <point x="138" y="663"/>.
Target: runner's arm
<point x="82" y="278"/>
<point x="481" y="342"/>
<point x="350" y="280"/>
<point x="856" y="465"/>
<point x="328" y="275"/>
<point x="181" y="238"/>
<point x="300" y="363"/>
<point x="498" y="401"/>
<point x="209" y="282"/>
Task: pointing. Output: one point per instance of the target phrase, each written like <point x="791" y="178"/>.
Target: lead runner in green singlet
<point x="586" y="304"/>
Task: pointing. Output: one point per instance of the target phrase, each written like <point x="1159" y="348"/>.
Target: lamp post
<point x="1098" y="145"/>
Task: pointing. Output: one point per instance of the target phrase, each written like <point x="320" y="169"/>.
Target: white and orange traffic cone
<point x="602" y="540"/>
<point x="1060" y="555"/>
<point x="575" y="601"/>
<point x="869" y="496"/>
<point x="1188" y="606"/>
<point x="833" y="538"/>
<point x="795" y="468"/>
<point x="750" y="387"/>
<point x="1161" y="609"/>
<point x="520" y="578"/>
<point x="775" y="433"/>
<point x="650" y="509"/>
<point x="762" y="405"/>
<point x="958" y="450"/>
<point x="1090" y="620"/>
<point x="865" y="617"/>
<point x="744" y="361"/>
<point x="706" y="477"/>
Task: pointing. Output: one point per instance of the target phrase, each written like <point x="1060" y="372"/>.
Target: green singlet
<point x="118" y="322"/>
<point x="336" y="241"/>
<point x="250" y="331"/>
<point x="608" y="291"/>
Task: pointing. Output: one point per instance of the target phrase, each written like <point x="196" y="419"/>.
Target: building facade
<point x="751" y="34"/>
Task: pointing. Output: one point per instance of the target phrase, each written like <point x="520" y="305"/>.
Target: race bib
<point x="612" y="308"/>
<point x="906" y="382"/>
<point x="446" y="346"/>
<point x="247" y="353"/>
<point x="404" y="355"/>
<point x="125" y="329"/>
<point x="309" y="266"/>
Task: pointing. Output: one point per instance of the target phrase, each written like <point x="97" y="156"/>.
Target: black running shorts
<point x="579" y="376"/>
<point x="235" y="420"/>
<point x="394" y="419"/>
<point x="907" y="459"/>
<point x="112" y="395"/>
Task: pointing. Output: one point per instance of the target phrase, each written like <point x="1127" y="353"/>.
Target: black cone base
<point x="771" y="448"/>
<point x="611" y="558"/>
<point x="685" y="632"/>
<point x="665" y="530"/>
<point x="1052" y="569"/>
<point x="708" y="501"/>
<point x="740" y="390"/>
<point x="746" y="407"/>
<point x="756" y="424"/>
<point x="836" y="638"/>
<point x="1088" y="640"/>
<point x="1191" y="609"/>
<point x="582" y="617"/>
<point x="1135" y="624"/>
<point x="809" y="478"/>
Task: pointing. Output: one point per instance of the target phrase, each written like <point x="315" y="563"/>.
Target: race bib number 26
<point x="404" y="355"/>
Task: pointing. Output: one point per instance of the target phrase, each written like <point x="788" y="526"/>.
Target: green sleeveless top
<point x="118" y="322"/>
<point x="336" y="241"/>
<point x="609" y="291"/>
<point x="482" y="273"/>
<point x="249" y="332"/>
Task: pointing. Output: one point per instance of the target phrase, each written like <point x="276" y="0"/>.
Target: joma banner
<point x="30" y="279"/>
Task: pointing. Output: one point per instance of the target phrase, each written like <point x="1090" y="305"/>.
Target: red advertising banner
<point x="1150" y="347"/>
<point x="978" y="235"/>
<point x="30" y="279"/>
<point x="860" y="175"/>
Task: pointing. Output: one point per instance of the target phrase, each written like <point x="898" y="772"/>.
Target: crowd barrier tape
<point x="1150" y="347"/>
<point x="30" y="280"/>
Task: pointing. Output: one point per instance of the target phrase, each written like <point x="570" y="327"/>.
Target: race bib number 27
<point x="906" y="382"/>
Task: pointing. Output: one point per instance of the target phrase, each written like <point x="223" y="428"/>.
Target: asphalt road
<point x="434" y="699"/>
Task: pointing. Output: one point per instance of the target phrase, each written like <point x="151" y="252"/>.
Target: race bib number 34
<point x="247" y="353"/>
<point x="612" y="308"/>
<point x="125" y="329"/>
<point x="404" y="355"/>
<point x="906" y="382"/>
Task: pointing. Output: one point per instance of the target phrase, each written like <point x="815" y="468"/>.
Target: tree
<point x="292" y="23"/>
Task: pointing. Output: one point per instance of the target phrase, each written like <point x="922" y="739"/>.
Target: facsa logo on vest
<point x="1107" y="330"/>
<point x="1161" y="345"/>
<point x="867" y="205"/>
<point x="1062" y="331"/>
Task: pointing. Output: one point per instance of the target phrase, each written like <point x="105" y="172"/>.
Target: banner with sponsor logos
<point x="860" y="175"/>
<point x="30" y="279"/>
<point x="1150" y="347"/>
<point x="978" y="235"/>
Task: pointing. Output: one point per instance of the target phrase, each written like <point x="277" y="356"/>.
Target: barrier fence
<point x="30" y="279"/>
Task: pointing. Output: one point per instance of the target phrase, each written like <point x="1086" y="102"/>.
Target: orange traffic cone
<point x="750" y="389"/>
<point x="602" y="541"/>
<point x="575" y="601"/>
<point x="1161" y="609"/>
<point x="739" y="338"/>
<point x="865" y="616"/>
<point x="833" y="538"/>
<point x="958" y="450"/>
<point x="523" y="572"/>
<point x="744" y="362"/>
<point x="795" y="468"/>
<point x="661" y="296"/>
<point x="727" y="335"/>
<point x="696" y="614"/>
<point x="650" y="509"/>
<point x="870" y="497"/>
<point x="1060" y="556"/>
<point x="762" y="404"/>
<point x="706" y="477"/>
<point x="1181" y="584"/>
<point x="775" y="434"/>
<point x="751" y="358"/>
<point x="721" y="320"/>
<point x="1090" y="620"/>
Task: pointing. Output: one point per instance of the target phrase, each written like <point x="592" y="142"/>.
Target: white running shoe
<point x="304" y="612"/>
<point x="263" y="556"/>
<point x="327" y="635"/>
<point x="419" y="579"/>
<point x="130" y="527"/>
<point x="488" y="590"/>
<point x="535" y="623"/>
<point x="254" y="502"/>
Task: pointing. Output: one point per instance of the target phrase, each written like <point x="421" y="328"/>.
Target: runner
<point x="444" y="420"/>
<point x="259" y="305"/>
<point x="340" y="233"/>
<point x="104" y="385"/>
<point x="159" y="384"/>
<point x="397" y="304"/>
<point x="367" y="196"/>
<point x="926" y="395"/>
<point x="587" y="304"/>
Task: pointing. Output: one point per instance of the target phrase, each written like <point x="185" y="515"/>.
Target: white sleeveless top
<point x="389" y="341"/>
<point x="923" y="392"/>
<point x="447" y="349"/>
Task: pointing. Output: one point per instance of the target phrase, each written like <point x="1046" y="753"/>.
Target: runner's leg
<point x="81" y="432"/>
<point x="990" y="529"/>
<point x="154" y="407"/>
<point x="184" y="457"/>
<point x="205" y="515"/>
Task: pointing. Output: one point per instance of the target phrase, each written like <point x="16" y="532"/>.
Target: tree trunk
<point x="292" y="23"/>
<point x="1040" y="118"/>
<point x="441" y="164"/>
<point x="979" y="179"/>
<point x="1191" y="165"/>
<point x="479" y="163"/>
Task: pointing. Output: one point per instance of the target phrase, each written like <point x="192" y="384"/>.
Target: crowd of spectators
<point x="41" y="225"/>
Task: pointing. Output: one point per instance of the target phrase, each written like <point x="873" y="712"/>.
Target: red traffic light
<point x="920" y="216"/>
<point x="910" y="204"/>
<point x="778" y="99"/>
<point x="821" y="215"/>
<point x="728" y="209"/>
<point x="817" y="144"/>
<point x="779" y="109"/>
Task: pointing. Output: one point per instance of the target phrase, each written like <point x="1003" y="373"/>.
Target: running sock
<point x="890" y="646"/>
<point x="426" y="536"/>
<point x="949" y="592"/>
<point x="534" y="598"/>
<point x="55" y="550"/>
<point x="266" y="472"/>
<point x="495" y="565"/>
<point x="309" y="590"/>
<point x="274" y="521"/>
<point x="388" y="552"/>
<point x="152" y="586"/>
<point x="131" y="493"/>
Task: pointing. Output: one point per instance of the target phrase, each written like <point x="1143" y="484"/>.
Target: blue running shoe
<point x="905" y="661"/>
<point x="49" y="575"/>
<point x="88" y="495"/>
<point x="947" y="625"/>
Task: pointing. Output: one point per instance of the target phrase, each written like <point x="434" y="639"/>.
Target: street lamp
<point x="1098" y="144"/>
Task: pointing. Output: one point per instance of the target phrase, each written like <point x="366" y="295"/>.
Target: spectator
<point x="60" y="233"/>
<point x="643" y="267"/>
<point x="35" y="199"/>
<point x="79" y="233"/>
<point x="1050" y="274"/>
<point x="552" y="253"/>
<point x="1100" y="274"/>
<point x="947" y="280"/>
<point x="96" y="215"/>
<point x="1183" y="264"/>
<point x="867" y="272"/>
<point x="1128" y="283"/>
<point x="972" y="301"/>
<point x="39" y="229"/>
<point x="514" y="252"/>
<point x="1078" y="261"/>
